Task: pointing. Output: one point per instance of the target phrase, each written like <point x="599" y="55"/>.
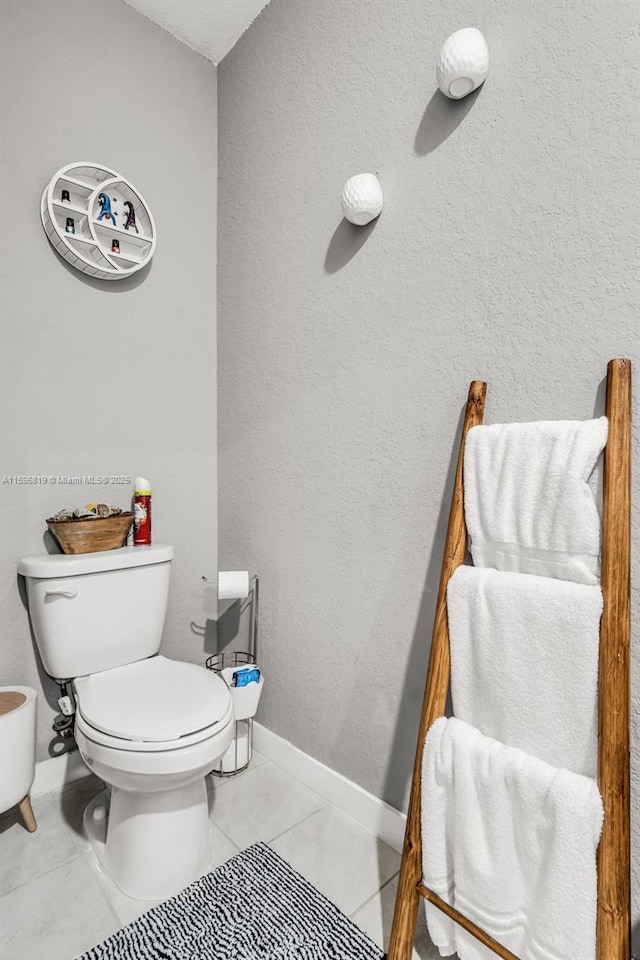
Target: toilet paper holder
<point x="252" y="591"/>
<point x="239" y="753"/>
<point x="231" y="584"/>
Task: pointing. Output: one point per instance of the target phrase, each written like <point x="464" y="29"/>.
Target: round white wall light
<point x="362" y="199"/>
<point x="463" y="63"/>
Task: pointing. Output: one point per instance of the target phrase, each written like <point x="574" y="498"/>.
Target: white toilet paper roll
<point x="233" y="584"/>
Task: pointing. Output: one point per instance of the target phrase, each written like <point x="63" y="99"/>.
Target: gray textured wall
<point x="506" y="252"/>
<point x="95" y="377"/>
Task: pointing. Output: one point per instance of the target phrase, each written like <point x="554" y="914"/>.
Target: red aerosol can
<point x="142" y="513"/>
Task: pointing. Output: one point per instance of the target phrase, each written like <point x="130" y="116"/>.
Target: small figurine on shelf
<point x="105" y="208"/>
<point x="70" y="225"/>
<point x="65" y="197"/>
<point x="115" y="246"/>
<point x="131" y="216"/>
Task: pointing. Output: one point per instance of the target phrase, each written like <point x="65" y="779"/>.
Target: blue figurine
<point x="131" y="217"/>
<point x="105" y="208"/>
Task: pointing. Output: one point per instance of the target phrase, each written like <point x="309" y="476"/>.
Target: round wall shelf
<point x="106" y="238"/>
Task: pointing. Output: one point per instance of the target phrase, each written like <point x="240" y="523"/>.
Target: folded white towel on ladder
<point x="528" y="505"/>
<point x="510" y="842"/>
<point x="524" y="662"/>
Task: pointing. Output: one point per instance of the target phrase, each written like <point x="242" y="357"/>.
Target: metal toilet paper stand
<point x="245" y="699"/>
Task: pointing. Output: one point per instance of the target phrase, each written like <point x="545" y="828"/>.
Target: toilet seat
<point x="138" y="747"/>
<point x="154" y="704"/>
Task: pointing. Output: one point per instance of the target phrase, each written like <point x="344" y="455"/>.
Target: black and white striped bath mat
<point x="253" y="907"/>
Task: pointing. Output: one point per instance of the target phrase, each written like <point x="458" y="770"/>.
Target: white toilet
<point x="151" y="728"/>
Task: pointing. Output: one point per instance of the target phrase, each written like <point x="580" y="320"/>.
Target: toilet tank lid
<point x="59" y="565"/>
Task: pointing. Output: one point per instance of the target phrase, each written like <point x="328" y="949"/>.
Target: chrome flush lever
<point x="69" y="594"/>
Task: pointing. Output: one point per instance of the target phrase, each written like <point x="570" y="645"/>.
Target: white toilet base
<point x="152" y="844"/>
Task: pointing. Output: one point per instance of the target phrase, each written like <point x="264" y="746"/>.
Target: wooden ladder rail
<point x="613" y="930"/>
<point x="435" y="698"/>
<point x="613" y="933"/>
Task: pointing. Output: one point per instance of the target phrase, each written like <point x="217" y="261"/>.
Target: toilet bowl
<point x="150" y="727"/>
<point x="152" y="834"/>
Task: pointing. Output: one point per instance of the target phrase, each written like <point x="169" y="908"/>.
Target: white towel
<point x="510" y="842"/>
<point x="524" y="662"/>
<point x="528" y="505"/>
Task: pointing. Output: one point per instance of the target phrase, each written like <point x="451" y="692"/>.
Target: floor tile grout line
<point x="375" y="894"/>
<point x="212" y="819"/>
<point x="225" y="835"/>
<point x="215" y="778"/>
<point x="78" y="838"/>
<point x="215" y="824"/>
<point x="96" y="871"/>
<point x="105" y="896"/>
<point x="119" y="923"/>
<point x="49" y="796"/>
<point x="328" y="802"/>
<point x="13" y="815"/>
<point x="307" y="816"/>
<point x="38" y="876"/>
<point x="323" y="803"/>
<point x="226" y="781"/>
<point x="291" y="776"/>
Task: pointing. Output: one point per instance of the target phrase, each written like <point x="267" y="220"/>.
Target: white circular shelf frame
<point x="90" y="247"/>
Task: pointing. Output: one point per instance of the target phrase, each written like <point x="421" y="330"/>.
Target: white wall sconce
<point x="463" y="63"/>
<point x="362" y="199"/>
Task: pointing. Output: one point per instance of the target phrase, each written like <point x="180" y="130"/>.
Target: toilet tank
<point x="94" y="611"/>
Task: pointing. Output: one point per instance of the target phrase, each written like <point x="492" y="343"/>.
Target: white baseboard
<point x="370" y="812"/>
<point x="373" y="814"/>
<point x="57" y="772"/>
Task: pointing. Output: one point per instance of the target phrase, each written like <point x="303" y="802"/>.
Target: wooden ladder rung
<point x="468" y="925"/>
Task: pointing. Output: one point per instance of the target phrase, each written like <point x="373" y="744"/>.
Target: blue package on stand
<point x="243" y="676"/>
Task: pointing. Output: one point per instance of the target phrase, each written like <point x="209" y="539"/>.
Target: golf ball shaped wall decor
<point x="98" y="221"/>
<point x="463" y="63"/>
<point x="362" y="199"/>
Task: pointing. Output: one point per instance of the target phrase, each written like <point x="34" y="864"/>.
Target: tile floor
<point x="56" y="901"/>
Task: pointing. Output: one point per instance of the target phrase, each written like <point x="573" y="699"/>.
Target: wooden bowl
<point x="91" y="536"/>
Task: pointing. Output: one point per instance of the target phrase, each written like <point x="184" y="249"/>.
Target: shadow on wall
<point x="399" y="770"/>
<point x="600" y="403"/>
<point x="345" y="243"/>
<point x="49" y="543"/>
<point x="231" y="626"/>
<point x="441" y="117"/>
<point x="230" y="631"/>
<point x="113" y="286"/>
<point x="635" y="942"/>
<point x="208" y="633"/>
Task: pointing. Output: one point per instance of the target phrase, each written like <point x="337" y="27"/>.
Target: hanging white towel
<point x="524" y="662"/>
<point x="510" y="842"/>
<point x="528" y="505"/>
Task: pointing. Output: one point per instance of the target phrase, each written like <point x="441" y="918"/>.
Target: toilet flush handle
<point x="69" y="594"/>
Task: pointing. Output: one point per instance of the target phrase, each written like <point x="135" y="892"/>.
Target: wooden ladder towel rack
<point x="613" y="935"/>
